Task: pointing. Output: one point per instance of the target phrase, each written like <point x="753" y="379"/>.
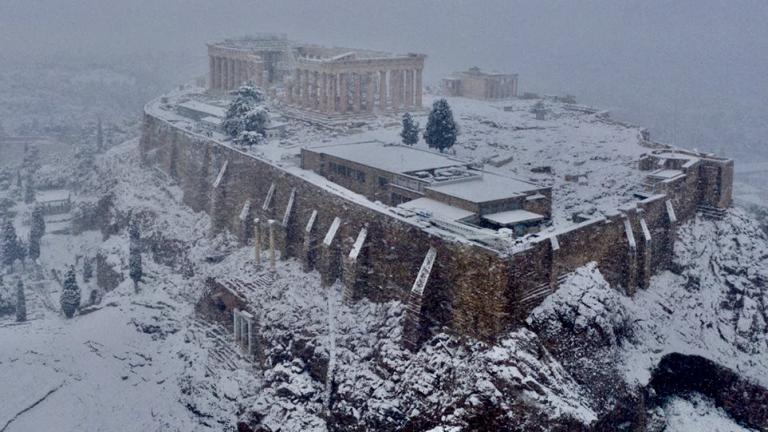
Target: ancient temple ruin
<point x="321" y="80"/>
<point x="477" y="84"/>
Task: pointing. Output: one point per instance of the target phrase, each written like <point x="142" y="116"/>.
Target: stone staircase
<point x="534" y="296"/>
<point x="712" y="213"/>
<point x="222" y="351"/>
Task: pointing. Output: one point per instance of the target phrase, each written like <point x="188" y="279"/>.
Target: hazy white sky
<point x="684" y="66"/>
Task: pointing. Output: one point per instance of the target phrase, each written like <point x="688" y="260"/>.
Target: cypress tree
<point x="36" y="232"/>
<point x="442" y="130"/>
<point x="70" y="296"/>
<point x="9" y="246"/>
<point x="135" y="267"/>
<point x="410" y="132"/>
<point x="87" y="269"/>
<point x="21" y="302"/>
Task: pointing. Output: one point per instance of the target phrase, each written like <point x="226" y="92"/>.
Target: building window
<point x="382" y="182"/>
<point x="347" y="172"/>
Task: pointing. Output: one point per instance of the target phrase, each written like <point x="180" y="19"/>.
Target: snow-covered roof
<point x="666" y="174"/>
<point x="201" y="107"/>
<point x="392" y="158"/>
<point x="488" y="187"/>
<point x="512" y="217"/>
<point x="44" y="196"/>
<point x="437" y="209"/>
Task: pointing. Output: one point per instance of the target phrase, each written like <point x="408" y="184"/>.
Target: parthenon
<point x="326" y="81"/>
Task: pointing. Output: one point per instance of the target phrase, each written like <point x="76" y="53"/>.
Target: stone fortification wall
<point x="467" y="283"/>
<point x="471" y="289"/>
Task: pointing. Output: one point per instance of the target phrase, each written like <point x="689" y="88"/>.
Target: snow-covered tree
<point x="99" y="136"/>
<point x="442" y="130"/>
<point x="36" y="232"/>
<point x="245" y="99"/>
<point x="249" y="139"/>
<point x="29" y="189"/>
<point x="21" y="302"/>
<point x="9" y="246"/>
<point x="410" y="132"/>
<point x="256" y="120"/>
<point x="87" y="269"/>
<point x="70" y="295"/>
<point x="135" y="267"/>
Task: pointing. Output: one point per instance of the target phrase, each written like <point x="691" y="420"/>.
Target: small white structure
<point x="243" y="330"/>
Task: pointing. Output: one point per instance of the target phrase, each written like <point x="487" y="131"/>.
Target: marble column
<point x="224" y="73"/>
<point x="370" y="91"/>
<point x="383" y="90"/>
<point x="409" y="87"/>
<point x="418" y="88"/>
<point x="315" y="90"/>
<point x="332" y="87"/>
<point x="343" y="92"/>
<point x="306" y="89"/>
<point x="356" y="96"/>
<point x="394" y="82"/>
<point x="211" y="71"/>
<point x="216" y="73"/>
<point x="233" y="72"/>
<point x="323" y="92"/>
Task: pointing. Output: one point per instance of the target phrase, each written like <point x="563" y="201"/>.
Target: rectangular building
<point x="432" y="184"/>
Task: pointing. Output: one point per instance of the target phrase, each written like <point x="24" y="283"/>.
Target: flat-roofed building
<point x="432" y="184"/>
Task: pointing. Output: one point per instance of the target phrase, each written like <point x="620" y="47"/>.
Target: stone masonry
<point x="470" y="288"/>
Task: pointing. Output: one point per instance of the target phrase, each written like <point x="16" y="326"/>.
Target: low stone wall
<point x="472" y="289"/>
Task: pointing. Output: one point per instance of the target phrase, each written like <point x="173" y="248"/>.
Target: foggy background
<point x="692" y="71"/>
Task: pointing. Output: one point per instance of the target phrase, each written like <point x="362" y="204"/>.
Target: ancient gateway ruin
<point x="325" y="81"/>
<point x="467" y="249"/>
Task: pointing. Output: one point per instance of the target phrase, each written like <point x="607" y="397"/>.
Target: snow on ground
<point x="570" y="141"/>
<point x="94" y="372"/>
<point x="717" y="307"/>
<point x="697" y="414"/>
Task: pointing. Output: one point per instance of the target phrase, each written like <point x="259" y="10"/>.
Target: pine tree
<point x="29" y="189"/>
<point x="410" y="132"/>
<point x="442" y="130"/>
<point x="9" y="246"/>
<point x="36" y="232"/>
<point x="99" y="136"/>
<point x="244" y="101"/>
<point x="70" y="296"/>
<point x="135" y="269"/>
<point x="87" y="269"/>
<point x="21" y="303"/>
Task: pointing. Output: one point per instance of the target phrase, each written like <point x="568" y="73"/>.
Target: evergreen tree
<point x="99" y="136"/>
<point x="410" y="132"/>
<point x="21" y="251"/>
<point x="135" y="269"/>
<point x="9" y="246"/>
<point x="29" y="189"/>
<point x="36" y="232"/>
<point x="70" y="296"/>
<point x="442" y="130"/>
<point x="21" y="302"/>
<point x="87" y="269"/>
<point x="245" y="99"/>
<point x="33" y="250"/>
